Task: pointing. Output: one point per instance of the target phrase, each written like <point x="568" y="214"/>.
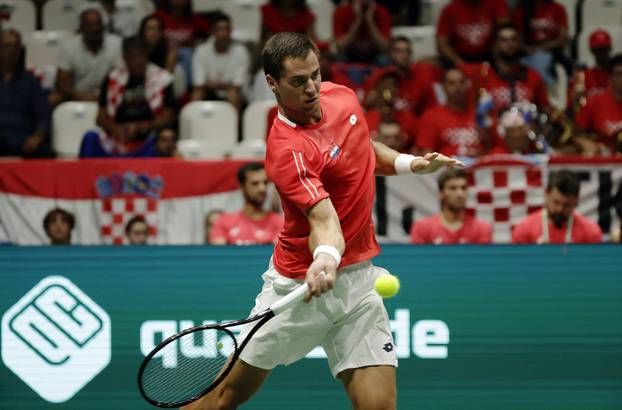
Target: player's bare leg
<point x="371" y="388"/>
<point x="238" y="387"/>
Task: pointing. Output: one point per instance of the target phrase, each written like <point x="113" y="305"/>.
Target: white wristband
<point x="403" y="163"/>
<point x="329" y="249"/>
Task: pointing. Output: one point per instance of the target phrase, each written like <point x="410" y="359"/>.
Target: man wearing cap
<point x="593" y="80"/>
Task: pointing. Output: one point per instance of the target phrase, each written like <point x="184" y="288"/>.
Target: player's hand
<point x="320" y="275"/>
<point x="432" y="162"/>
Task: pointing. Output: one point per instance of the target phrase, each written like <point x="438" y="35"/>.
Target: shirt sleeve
<point x="296" y="176"/>
<point x="485" y="233"/>
<point x="594" y="234"/>
<point x="520" y="234"/>
<point x="444" y="27"/>
<point x="218" y="230"/>
<point x="199" y="75"/>
<point x="417" y="235"/>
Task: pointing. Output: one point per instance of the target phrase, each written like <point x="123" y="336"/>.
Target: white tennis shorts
<point x="349" y="322"/>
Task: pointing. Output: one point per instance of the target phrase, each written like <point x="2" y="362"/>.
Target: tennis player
<point x="322" y="161"/>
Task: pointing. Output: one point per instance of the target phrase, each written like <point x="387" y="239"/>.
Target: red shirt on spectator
<point x="470" y="26"/>
<point x="238" y="229"/>
<point x="409" y="125"/>
<point x="183" y="32"/>
<point x="529" y="230"/>
<point x="451" y="132"/>
<point x="544" y="25"/>
<point x="362" y="48"/>
<point x="529" y="86"/>
<point x="431" y="230"/>
<point x="596" y="81"/>
<point x="602" y="114"/>
<point x="275" y="22"/>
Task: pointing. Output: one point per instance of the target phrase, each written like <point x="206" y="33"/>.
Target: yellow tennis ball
<point x="387" y="285"/>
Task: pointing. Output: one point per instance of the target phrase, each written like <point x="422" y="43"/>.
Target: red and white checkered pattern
<point x="503" y="195"/>
<point x="115" y="212"/>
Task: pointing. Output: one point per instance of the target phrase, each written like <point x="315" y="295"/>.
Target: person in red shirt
<point x="602" y="115"/>
<point x="543" y="25"/>
<point x="451" y="225"/>
<point x="322" y="162"/>
<point x="278" y="16"/>
<point x="593" y="80"/>
<point x="507" y="80"/>
<point x="558" y="222"/>
<point x="252" y="225"/>
<point x="451" y="128"/>
<point x="362" y="30"/>
<point x="466" y="27"/>
<point x="181" y="26"/>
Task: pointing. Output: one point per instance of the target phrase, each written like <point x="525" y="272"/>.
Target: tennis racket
<point x="191" y="363"/>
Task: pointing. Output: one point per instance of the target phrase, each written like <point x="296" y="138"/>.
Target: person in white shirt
<point x="220" y="66"/>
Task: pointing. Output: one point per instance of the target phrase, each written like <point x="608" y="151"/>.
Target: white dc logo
<point x="353" y="119"/>
<point x="56" y="339"/>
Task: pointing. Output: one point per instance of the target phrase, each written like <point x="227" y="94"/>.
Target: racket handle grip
<point x="292" y="298"/>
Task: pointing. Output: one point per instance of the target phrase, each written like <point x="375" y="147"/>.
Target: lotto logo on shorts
<point x="56" y="339"/>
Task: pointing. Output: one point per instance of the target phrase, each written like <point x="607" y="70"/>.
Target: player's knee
<point x="376" y="402"/>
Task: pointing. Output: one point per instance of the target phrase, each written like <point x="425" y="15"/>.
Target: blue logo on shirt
<point x="334" y="151"/>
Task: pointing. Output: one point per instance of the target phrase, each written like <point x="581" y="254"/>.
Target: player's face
<point x="298" y="90"/>
<point x="454" y="194"/>
<point x="138" y="234"/>
<point x="255" y="187"/>
<point x="559" y="206"/>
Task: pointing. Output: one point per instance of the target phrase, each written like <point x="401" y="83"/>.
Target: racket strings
<point x="187" y="366"/>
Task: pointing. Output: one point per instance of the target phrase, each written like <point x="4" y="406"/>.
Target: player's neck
<point x="301" y="118"/>
<point x="252" y="212"/>
<point x="452" y="219"/>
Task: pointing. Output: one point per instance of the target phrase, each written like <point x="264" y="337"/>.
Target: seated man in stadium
<point x="466" y="28"/>
<point x="135" y="100"/>
<point x="451" y="128"/>
<point x="590" y="81"/>
<point x="85" y="59"/>
<point x="558" y="222"/>
<point x="137" y="231"/>
<point x="220" y="66"/>
<point x="601" y="117"/>
<point x="24" y="112"/>
<point x="516" y="136"/>
<point x="452" y="225"/>
<point x="252" y="225"/>
<point x="362" y="29"/>
<point x="58" y="224"/>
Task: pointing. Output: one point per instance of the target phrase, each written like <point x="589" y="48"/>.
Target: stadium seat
<point x="431" y="11"/>
<point x="61" y="14"/>
<point x="70" y="121"/>
<point x="214" y="122"/>
<point x="323" y="10"/>
<point x="558" y="92"/>
<point x="601" y="13"/>
<point x="249" y="149"/>
<point x="202" y="6"/>
<point x="254" y="121"/>
<point x="423" y="39"/>
<point x="585" y="56"/>
<point x="246" y="18"/>
<point x="42" y="47"/>
<point x="19" y="15"/>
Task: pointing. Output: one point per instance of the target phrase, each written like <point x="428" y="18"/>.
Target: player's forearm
<point x="325" y="227"/>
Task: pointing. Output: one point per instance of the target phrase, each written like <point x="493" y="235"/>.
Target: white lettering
<point x="430" y="339"/>
<point x="164" y="328"/>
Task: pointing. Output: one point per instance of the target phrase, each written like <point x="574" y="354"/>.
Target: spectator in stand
<point x="220" y="66"/>
<point x="151" y="32"/>
<point x="386" y="106"/>
<point x="123" y="16"/>
<point x="85" y="59"/>
<point x="466" y="29"/>
<point x="166" y="143"/>
<point x="451" y="128"/>
<point x="24" y="112"/>
<point x="506" y="80"/>
<point x="543" y="25"/>
<point x="209" y="221"/>
<point x="417" y="80"/>
<point x="362" y="30"/>
<point x="591" y="81"/>
<point x="329" y="70"/>
<point x="286" y="15"/>
<point x="137" y="231"/>
<point x="452" y="225"/>
<point x="601" y="117"/>
<point x="135" y="100"/>
<point x="558" y="222"/>
<point x="58" y="224"/>
<point x="252" y="225"/>
<point x="516" y="135"/>
<point x="182" y="27"/>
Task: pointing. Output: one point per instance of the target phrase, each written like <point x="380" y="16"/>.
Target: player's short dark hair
<point x="65" y="215"/>
<point x="133" y="221"/>
<point x="133" y="43"/>
<point x="282" y="46"/>
<point x="452" y="173"/>
<point x="566" y="182"/>
<point x="250" y="167"/>
<point x="614" y="62"/>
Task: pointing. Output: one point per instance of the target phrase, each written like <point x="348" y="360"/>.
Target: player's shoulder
<point x="333" y="90"/>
